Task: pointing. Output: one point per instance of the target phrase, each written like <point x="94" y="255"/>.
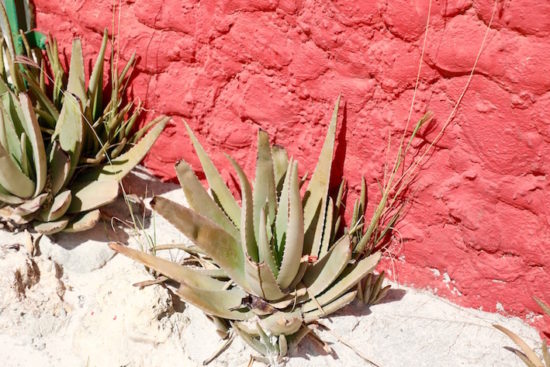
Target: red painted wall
<point x="478" y="231"/>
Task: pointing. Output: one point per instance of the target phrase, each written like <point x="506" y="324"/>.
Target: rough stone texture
<point x="478" y="230"/>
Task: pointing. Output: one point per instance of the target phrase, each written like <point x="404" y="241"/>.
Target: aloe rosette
<point x="40" y="187"/>
<point x="274" y="264"/>
<point x="64" y="147"/>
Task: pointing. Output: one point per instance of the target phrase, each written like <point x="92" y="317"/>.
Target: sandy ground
<point x="74" y="305"/>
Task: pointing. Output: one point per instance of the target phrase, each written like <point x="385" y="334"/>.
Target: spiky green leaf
<point x="12" y="179"/>
<point x="224" y="303"/>
<point x="179" y="273"/>
<point x="294" y="234"/>
<point x="200" y="201"/>
<point x="325" y="271"/>
<point x="92" y="195"/>
<point x="346" y="281"/>
<point x="329" y="308"/>
<point x="248" y="239"/>
<point x="35" y="137"/>
<point x="317" y="188"/>
<point x="211" y="238"/>
<point x="261" y="281"/>
<point x="264" y="183"/>
<point x="217" y="185"/>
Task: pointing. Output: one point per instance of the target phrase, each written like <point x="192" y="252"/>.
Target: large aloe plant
<point x="63" y="147"/>
<point x="274" y="264"/>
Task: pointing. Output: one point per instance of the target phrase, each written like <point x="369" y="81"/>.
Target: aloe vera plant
<point x="271" y="266"/>
<point x="63" y="147"/>
<point x="525" y="353"/>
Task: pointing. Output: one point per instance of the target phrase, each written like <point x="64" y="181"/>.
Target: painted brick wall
<point x="478" y="231"/>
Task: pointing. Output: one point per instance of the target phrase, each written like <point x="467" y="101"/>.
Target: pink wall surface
<point x="478" y="229"/>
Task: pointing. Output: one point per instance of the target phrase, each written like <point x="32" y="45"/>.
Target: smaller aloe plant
<point x="63" y="147"/>
<point x="525" y="353"/>
<point x="273" y="265"/>
<point x="39" y="187"/>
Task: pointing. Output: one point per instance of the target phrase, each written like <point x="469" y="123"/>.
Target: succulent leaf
<point x="60" y="167"/>
<point x="317" y="188"/>
<point x="329" y="308"/>
<point x="282" y="323"/>
<point x="261" y="281"/>
<point x="12" y="179"/>
<point x="325" y="271"/>
<point x="529" y="353"/>
<point x="76" y="84"/>
<point x="95" y="87"/>
<point x="49" y="228"/>
<point x="250" y="340"/>
<point x="280" y="164"/>
<point x="211" y="238"/>
<point x="122" y="165"/>
<point x="224" y="303"/>
<point x="264" y="184"/>
<point x="346" y="281"/>
<point x="37" y="144"/>
<point x="58" y="208"/>
<point x="327" y="228"/>
<point x="30" y="206"/>
<point x="7" y="198"/>
<point x="69" y="129"/>
<point x="265" y="250"/>
<point x="83" y="222"/>
<point x="295" y="233"/>
<point x="180" y="274"/>
<point x="281" y="220"/>
<point x="92" y="195"/>
<point x="217" y="185"/>
<point x="200" y="201"/>
<point x="248" y="239"/>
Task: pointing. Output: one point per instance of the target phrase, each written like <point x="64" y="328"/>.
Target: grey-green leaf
<point x="216" y="303"/>
<point x="92" y="195"/>
<point x="264" y="182"/>
<point x="179" y="273"/>
<point x="207" y="235"/>
<point x="95" y="87"/>
<point x="76" y="83"/>
<point x="265" y="250"/>
<point x="49" y="228"/>
<point x="294" y="235"/>
<point x="261" y="281"/>
<point x="83" y="222"/>
<point x="329" y="308"/>
<point x="345" y="282"/>
<point x="12" y="179"/>
<point x="319" y="183"/>
<point x="69" y="129"/>
<point x="122" y="165"/>
<point x="35" y="137"/>
<point x="248" y="239"/>
<point x="323" y="273"/>
<point x="200" y="201"/>
<point x="217" y="185"/>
